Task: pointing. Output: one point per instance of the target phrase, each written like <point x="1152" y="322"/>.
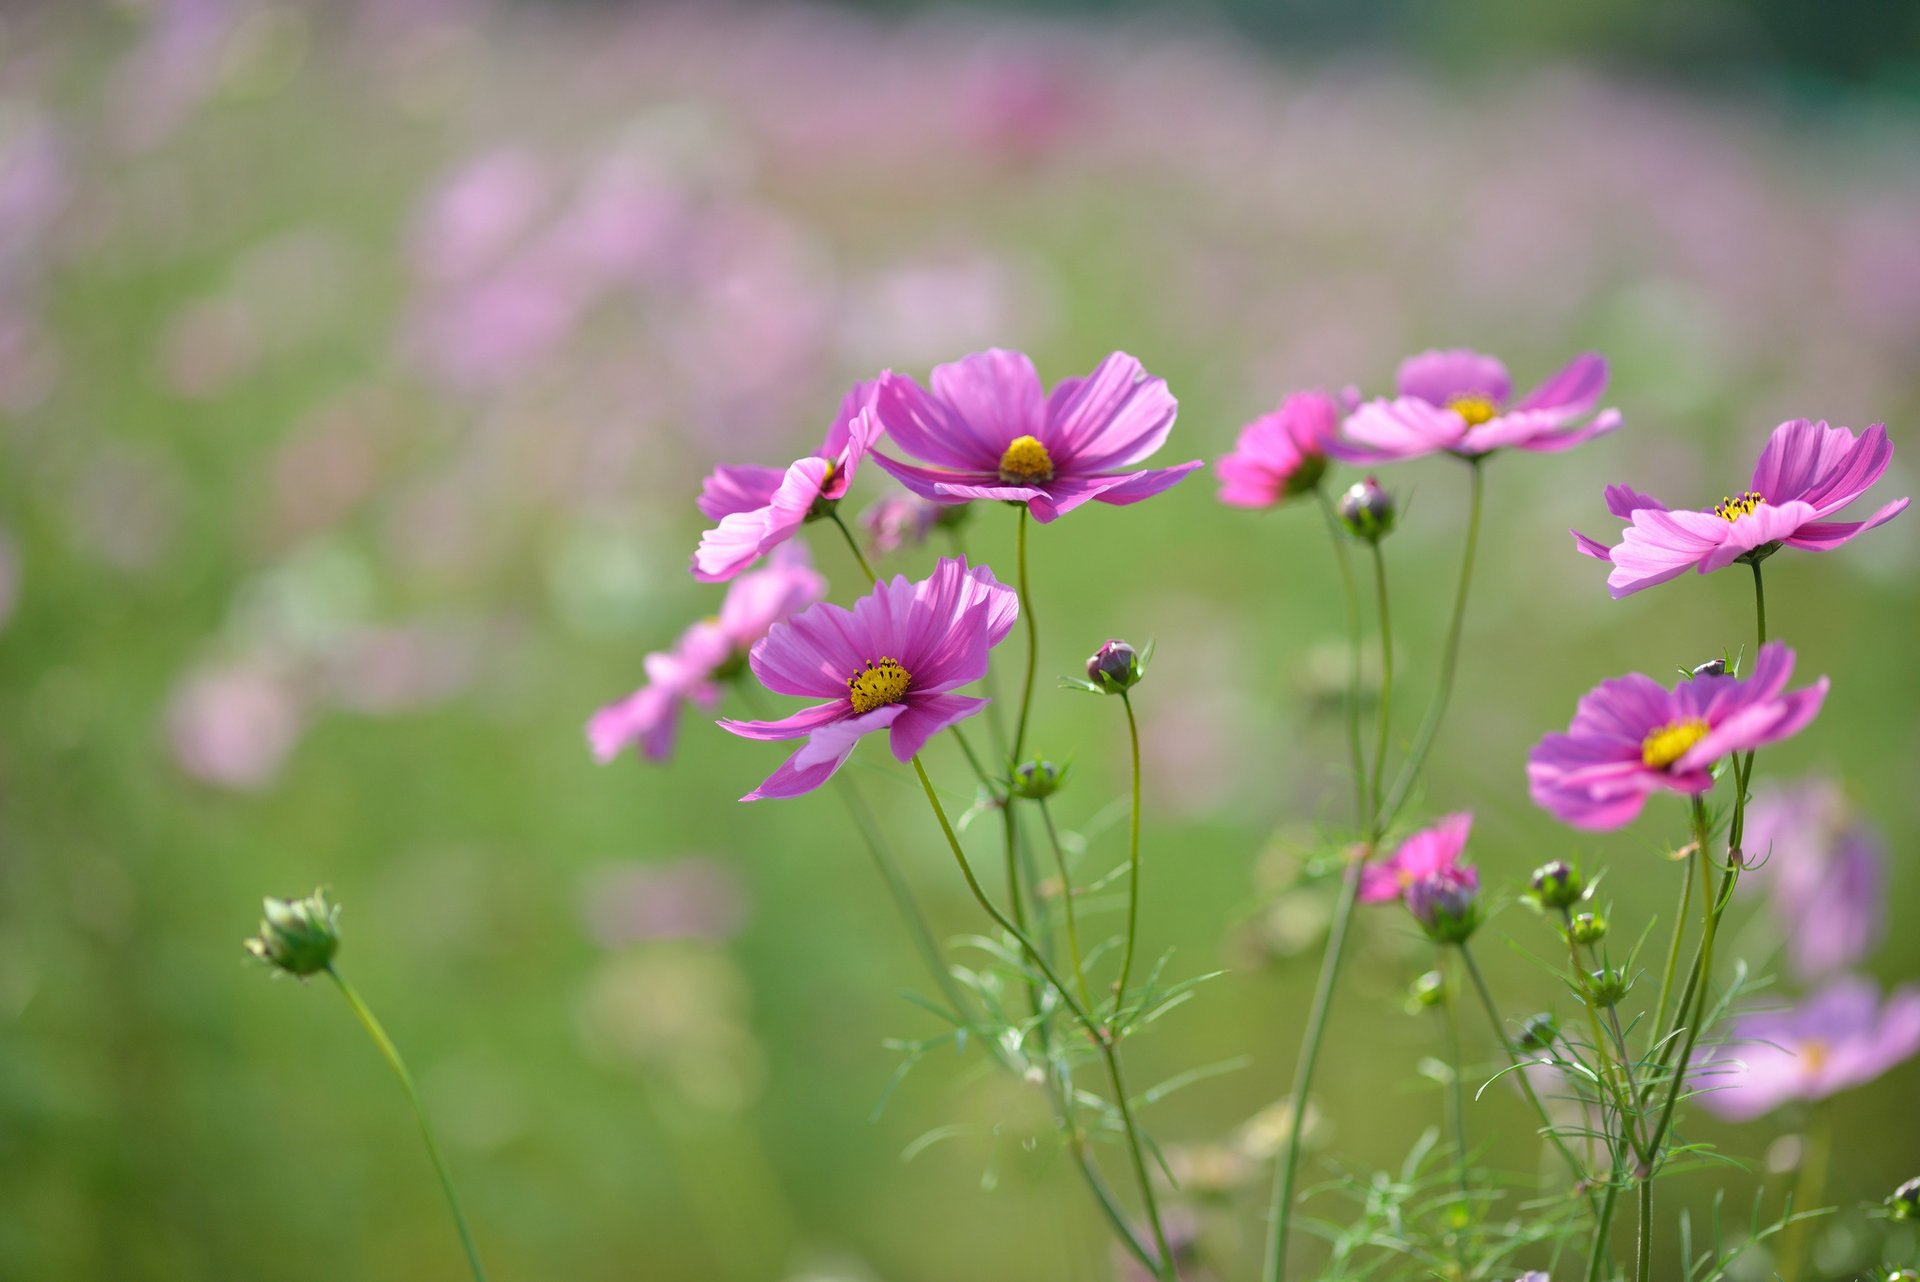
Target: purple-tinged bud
<point x="1036" y="780"/>
<point x="1446" y="904"/>
<point x="1114" y="668"/>
<point x="1904" y="1204"/>
<point x="1427" y="991"/>
<point x="298" y="936"/>
<point x="1711" y="668"/>
<point x="1587" y="929"/>
<point x="1557" y="884"/>
<point x="1366" y="510"/>
<point x="1538" y="1032"/>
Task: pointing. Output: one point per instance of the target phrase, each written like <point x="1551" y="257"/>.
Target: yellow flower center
<point x="1026" y="462"/>
<point x="1815" y="1052"/>
<point x="1734" y="509"/>
<point x="1474" y="408"/>
<point x="1670" y="743"/>
<point x="878" y="684"/>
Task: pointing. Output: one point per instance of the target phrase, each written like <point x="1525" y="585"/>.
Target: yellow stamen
<point x="1815" y="1052"/>
<point x="1670" y="743"/>
<point x="1026" y="462"/>
<point x="878" y="684"/>
<point x="1474" y="408"/>
<point x="1734" y="509"/>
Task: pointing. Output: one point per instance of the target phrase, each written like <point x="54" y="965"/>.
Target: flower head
<point x="1280" y="455"/>
<point x="1557" y="884"/>
<point x="1426" y="853"/>
<point x="891" y="662"/>
<point x="1826" y="869"/>
<point x="1366" y="510"/>
<point x="710" y="650"/>
<point x="1631" y="736"/>
<point x="1840" y="1037"/>
<point x="759" y="508"/>
<point x="1115" y="668"/>
<point x="991" y="431"/>
<point x="897" y="521"/>
<point x="1446" y="903"/>
<point x="1806" y="474"/>
<point x="1459" y="401"/>
<point x="298" y="936"/>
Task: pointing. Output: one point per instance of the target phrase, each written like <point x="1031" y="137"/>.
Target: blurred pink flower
<point x="233" y="724"/>
<point x="1825" y="869"/>
<point x="691" y="898"/>
<point x="1280" y="455"/>
<point x="477" y="213"/>
<point x="1841" y="1037"/>
<point x="1428" y="853"/>
<point x="895" y="521"/>
<point x="1456" y="401"/>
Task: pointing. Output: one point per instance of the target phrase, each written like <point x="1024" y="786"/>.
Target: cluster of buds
<point x="298" y="936"/>
<point x="1366" y="510"/>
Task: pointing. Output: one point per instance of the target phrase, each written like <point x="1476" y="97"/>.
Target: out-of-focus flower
<point x="991" y="431"/>
<point x="233" y="725"/>
<point x="1426" y="853"/>
<point x="892" y="662"/>
<point x="1446" y="903"/>
<point x="899" y="521"/>
<point x="1457" y="401"/>
<point x="692" y="898"/>
<point x="1807" y="473"/>
<point x="1631" y="737"/>
<point x="759" y="508"/>
<point x="1280" y="455"/>
<point x="1838" y="1038"/>
<point x="476" y="213"/>
<point x="706" y="653"/>
<point x="1366" y="510"/>
<point x="1826" y="869"/>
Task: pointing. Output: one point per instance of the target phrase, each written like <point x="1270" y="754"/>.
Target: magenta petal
<point x="1574" y="390"/>
<point x="926" y="716"/>
<point x="811" y="655"/>
<point x="1767" y="523"/>
<point x="1660" y="545"/>
<point x="740" y="538"/>
<point x="1398" y="429"/>
<point x="1441" y="375"/>
<point x="728" y="489"/>
<point x="1144" y="485"/>
<point x="1824" y="536"/>
<point x="1590" y="547"/>
<point x="1557" y="441"/>
<point x="801" y="723"/>
<point x="1110" y="420"/>
<point x="821" y="757"/>
<point x="1797" y="458"/>
<point x="925" y="426"/>
<point x="1623" y="501"/>
<point x="994" y="396"/>
<point x="930" y="483"/>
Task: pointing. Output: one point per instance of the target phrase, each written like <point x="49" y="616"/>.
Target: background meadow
<point x="358" y="366"/>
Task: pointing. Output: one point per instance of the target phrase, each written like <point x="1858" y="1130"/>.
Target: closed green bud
<point x="1538" y="1032"/>
<point x="298" y="936"/>
<point x="1905" y="1202"/>
<point x="1607" y="986"/>
<point x="1587" y="929"/>
<point x="1366" y="510"/>
<point x="1557" y="884"/>
<point x="1036" y="780"/>
<point x="1428" y="991"/>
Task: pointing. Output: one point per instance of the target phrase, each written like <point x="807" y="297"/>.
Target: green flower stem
<point x="1547" y="1127"/>
<point x="1362" y="799"/>
<point x="1457" y="1106"/>
<point x="1598" y="1256"/>
<point x="1714" y="908"/>
<point x="1643" y="1251"/>
<point x="1066" y="899"/>
<point x="853" y="546"/>
<point x="1659" y="1026"/>
<point x="1817" y="1145"/>
<point x="1626" y="1095"/>
<point x="1449" y="660"/>
<point x="1100" y="1036"/>
<point x="996" y="719"/>
<point x="1133" y="862"/>
<point x="1033" y="639"/>
<point x="399" y="1067"/>
<point x="1383" y="729"/>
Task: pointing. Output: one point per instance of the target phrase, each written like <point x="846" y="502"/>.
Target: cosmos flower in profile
<point x="1428" y="853"/>
<point x="1461" y="402"/>
<point x="989" y="430"/>
<point x="1280" y="455"/>
<point x="1631" y="737"/>
<point x="1806" y="474"/>
<point x="892" y="662"/>
<point x="690" y="673"/>
<point x="759" y="508"/>
<point x="1841" y="1037"/>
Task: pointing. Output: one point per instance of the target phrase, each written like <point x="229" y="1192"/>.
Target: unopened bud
<point x="1538" y="1032"/>
<point x="1366" y="510"/>
<point x="1557" y="884"/>
<point x="1587" y="929"/>
<point x="1446" y="904"/>
<point x="1036" y="780"/>
<point x="298" y="936"/>
<point x="1904" y="1204"/>
<point x="1711" y="668"/>
<point x="1115" y="668"/>
<point x="1607" y="986"/>
<point x="1427" y="991"/>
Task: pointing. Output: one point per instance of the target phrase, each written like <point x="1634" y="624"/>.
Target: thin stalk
<point x="1807" y="1191"/>
<point x="1626" y="1094"/>
<point x="1759" y="602"/>
<point x="1449" y="660"/>
<point x="1362" y="799"/>
<point x="996" y="718"/>
<point x="1457" y="1103"/>
<point x="1382" y="730"/>
<point x="1702" y="992"/>
<point x="1643" y="1254"/>
<point x="399" y="1067"/>
<point x="1133" y="861"/>
<point x="1659" y="1025"/>
<point x="1599" y="1256"/>
<point x="1033" y="640"/>
<point x="1066" y="898"/>
<point x="853" y="546"/>
<point x="1513" y="1057"/>
<point x="1099" y="1035"/>
<point x="1280" y="1215"/>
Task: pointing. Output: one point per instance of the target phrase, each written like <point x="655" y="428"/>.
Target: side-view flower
<point x="1460" y="402"/>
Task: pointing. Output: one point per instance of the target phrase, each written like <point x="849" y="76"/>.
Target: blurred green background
<point x="359" y="363"/>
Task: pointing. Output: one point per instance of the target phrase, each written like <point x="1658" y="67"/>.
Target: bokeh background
<point x="358" y="364"/>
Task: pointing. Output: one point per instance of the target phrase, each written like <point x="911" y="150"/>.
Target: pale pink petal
<point x="926" y="716"/>
<point x="1112" y="419"/>
<point x="729" y="489"/>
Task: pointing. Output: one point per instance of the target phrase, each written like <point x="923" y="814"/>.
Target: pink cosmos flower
<point x="649" y="718"/>
<point x="1280" y="455"/>
<point x="1457" y="401"/>
<point x="1825" y="867"/>
<point x="892" y="662"/>
<point x="1840" y="1037"/>
<point x="759" y="508"/>
<point x="991" y="431"/>
<point x="1806" y="473"/>
<point x="1427" y="853"/>
<point x="1631" y="737"/>
<point x="898" y="521"/>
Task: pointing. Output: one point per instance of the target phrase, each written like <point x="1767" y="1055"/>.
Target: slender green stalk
<point x="1759" y="602"/>
<point x="853" y="545"/>
<point x="1626" y="1095"/>
<point x="1643" y="1252"/>
<point x="1457" y="1106"/>
<point x="1513" y="1057"/>
<point x="1714" y="908"/>
<point x="1817" y="1144"/>
<point x="1659" y="1026"/>
<point x="1280" y="1214"/>
<point x="1133" y="861"/>
<point x="1066" y="898"/>
<point x="996" y="718"/>
<point x="1362" y="799"/>
<point x="399" y="1067"/>
<point x="1099" y="1035"/>
<point x="1382" y="731"/>
<point x="1033" y="639"/>
<point x="1449" y="661"/>
<point x="1599" y="1257"/>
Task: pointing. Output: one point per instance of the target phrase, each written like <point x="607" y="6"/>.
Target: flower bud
<point x="1115" y="668"/>
<point x="1557" y="884"/>
<point x="1711" y="668"/>
<point x="1587" y="929"/>
<point x="1446" y="904"/>
<point x="1607" y="986"/>
<point x="1427" y="991"/>
<point x="1904" y="1204"/>
<point x="1538" y="1032"/>
<point x="1036" y="780"/>
<point x="298" y="936"/>
<point x="1366" y="510"/>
